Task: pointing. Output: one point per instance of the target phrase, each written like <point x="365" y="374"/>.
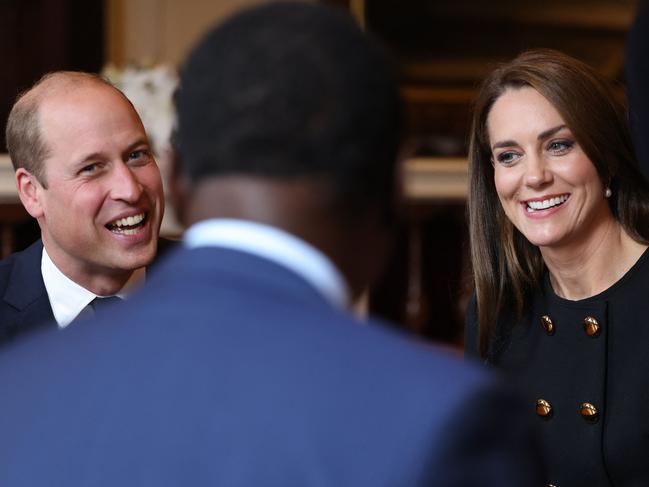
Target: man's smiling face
<point x="101" y="202"/>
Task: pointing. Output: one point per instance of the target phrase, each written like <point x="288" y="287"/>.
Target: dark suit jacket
<point x="24" y="304"/>
<point x="229" y="370"/>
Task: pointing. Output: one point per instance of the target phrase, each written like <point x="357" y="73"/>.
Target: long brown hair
<point x="506" y="267"/>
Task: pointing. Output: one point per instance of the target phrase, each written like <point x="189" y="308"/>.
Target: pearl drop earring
<point x="608" y="193"/>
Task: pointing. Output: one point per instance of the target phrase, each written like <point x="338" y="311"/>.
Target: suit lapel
<point x="26" y="291"/>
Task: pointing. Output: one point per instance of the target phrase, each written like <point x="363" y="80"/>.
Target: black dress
<point x="583" y="367"/>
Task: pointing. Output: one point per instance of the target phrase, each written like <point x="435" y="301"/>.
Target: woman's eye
<point x="559" y="147"/>
<point x="507" y="157"/>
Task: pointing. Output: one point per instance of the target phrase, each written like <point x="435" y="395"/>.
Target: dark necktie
<point x="100" y="305"/>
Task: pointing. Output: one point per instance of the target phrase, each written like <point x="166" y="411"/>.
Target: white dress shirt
<point x="275" y="245"/>
<point x="67" y="298"/>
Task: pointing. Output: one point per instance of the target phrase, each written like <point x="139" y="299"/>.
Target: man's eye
<point x="138" y="154"/>
<point x="89" y="169"/>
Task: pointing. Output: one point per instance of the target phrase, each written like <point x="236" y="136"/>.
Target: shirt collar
<point x="275" y="245"/>
<point x="67" y="298"/>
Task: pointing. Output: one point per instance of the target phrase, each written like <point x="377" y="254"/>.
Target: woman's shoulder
<point x="634" y="282"/>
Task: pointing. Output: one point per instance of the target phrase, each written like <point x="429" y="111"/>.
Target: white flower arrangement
<point x="151" y="92"/>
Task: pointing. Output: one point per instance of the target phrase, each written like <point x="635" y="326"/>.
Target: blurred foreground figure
<point x="238" y="364"/>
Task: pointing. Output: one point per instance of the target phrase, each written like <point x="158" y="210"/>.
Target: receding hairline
<point x="51" y="88"/>
<point x="60" y="82"/>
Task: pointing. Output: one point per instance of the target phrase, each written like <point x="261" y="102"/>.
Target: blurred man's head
<point x="288" y="115"/>
<point x="85" y="171"/>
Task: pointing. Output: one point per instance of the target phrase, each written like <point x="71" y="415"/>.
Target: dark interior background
<point x="443" y="49"/>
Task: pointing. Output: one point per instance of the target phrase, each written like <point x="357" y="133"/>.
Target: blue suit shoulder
<point x="478" y="426"/>
<point x="266" y="382"/>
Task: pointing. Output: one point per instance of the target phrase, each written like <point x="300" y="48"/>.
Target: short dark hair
<point x="291" y="90"/>
<point x="506" y="266"/>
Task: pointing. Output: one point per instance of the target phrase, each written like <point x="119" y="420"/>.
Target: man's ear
<point x="29" y="191"/>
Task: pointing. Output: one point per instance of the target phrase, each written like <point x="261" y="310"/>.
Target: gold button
<point x="591" y="326"/>
<point x="589" y="412"/>
<point x="547" y="324"/>
<point x="543" y="408"/>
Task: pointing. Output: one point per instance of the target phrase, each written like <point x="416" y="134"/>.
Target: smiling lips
<point x="538" y="205"/>
<point x="127" y="225"/>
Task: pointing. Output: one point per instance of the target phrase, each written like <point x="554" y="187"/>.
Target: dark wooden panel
<point x="424" y="288"/>
<point x="17" y="228"/>
<point x="444" y="49"/>
<point x="37" y="36"/>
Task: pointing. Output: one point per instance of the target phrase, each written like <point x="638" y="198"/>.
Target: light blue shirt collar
<point x="275" y="245"/>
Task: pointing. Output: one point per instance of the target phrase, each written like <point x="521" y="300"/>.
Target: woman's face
<point x="547" y="186"/>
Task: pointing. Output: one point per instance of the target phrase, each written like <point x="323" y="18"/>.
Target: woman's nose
<point x="537" y="172"/>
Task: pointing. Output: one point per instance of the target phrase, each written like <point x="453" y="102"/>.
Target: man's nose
<point x="124" y="183"/>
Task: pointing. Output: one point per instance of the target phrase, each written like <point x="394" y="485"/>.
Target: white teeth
<point x="125" y="231"/>
<point x="545" y="204"/>
<point x="128" y="221"/>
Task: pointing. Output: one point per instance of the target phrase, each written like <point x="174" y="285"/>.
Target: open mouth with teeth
<point x="532" y="206"/>
<point x="128" y="225"/>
